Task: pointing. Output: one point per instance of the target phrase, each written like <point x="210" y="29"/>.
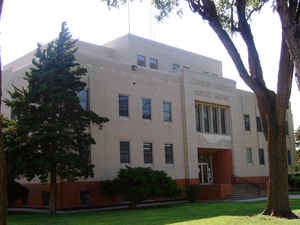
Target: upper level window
<point x="124" y="105"/>
<point x="249" y="155"/>
<point x="247" y="122"/>
<point x="215" y="119"/>
<point x="210" y="118"/>
<point x="153" y="62"/>
<point x="261" y="156"/>
<point x="258" y="124"/>
<point x="223" y="121"/>
<point x="146" y="107"/>
<point x="206" y="118"/>
<point x="286" y="127"/>
<point x="141" y="60"/>
<point x="124" y="152"/>
<point x="198" y="117"/>
<point x="83" y="98"/>
<point x="167" y="111"/>
<point x="175" y="67"/>
<point x="169" y="154"/>
<point x="289" y="157"/>
<point x="148" y="157"/>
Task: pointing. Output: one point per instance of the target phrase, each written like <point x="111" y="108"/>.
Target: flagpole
<point x="128" y="13"/>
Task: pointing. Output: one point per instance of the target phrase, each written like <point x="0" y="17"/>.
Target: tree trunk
<point x="3" y="179"/>
<point x="278" y="201"/>
<point x="53" y="187"/>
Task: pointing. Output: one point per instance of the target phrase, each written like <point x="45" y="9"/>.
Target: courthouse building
<point x="170" y="110"/>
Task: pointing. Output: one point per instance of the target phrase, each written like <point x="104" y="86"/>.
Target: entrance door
<point x="205" y="175"/>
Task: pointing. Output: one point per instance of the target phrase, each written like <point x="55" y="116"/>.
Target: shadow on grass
<point x="157" y="216"/>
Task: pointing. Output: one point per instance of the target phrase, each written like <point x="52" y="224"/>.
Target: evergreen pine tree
<point x="52" y="124"/>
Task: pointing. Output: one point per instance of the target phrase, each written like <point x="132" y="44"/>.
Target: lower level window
<point x="124" y="152"/>
<point x="249" y="155"/>
<point x="85" y="198"/>
<point x="169" y="154"/>
<point x="148" y="158"/>
<point x="261" y="156"/>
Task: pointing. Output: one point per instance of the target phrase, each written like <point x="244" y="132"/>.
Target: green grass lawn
<point x="294" y="192"/>
<point x="219" y="213"/>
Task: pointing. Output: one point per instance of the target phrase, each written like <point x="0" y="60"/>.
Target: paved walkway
<point x="265" y="198"/>
<point x="144" y="205"/>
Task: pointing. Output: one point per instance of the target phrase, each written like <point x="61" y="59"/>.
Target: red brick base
<point x="68" y="194"/>
<point x="262" y="181"/>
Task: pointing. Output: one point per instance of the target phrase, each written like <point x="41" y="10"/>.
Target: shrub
<point x="192" y="191"/>
<point x="139" y="184"/>
<point x="17" y="191"/>
<point x="294" y="180"/>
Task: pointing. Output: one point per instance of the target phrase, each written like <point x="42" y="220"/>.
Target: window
<point x="258" y="124"/>
<point x="141" y="60"/>
<point x="289" y="157"/>
<point x="223" y="121"/>
<point x="249" y="155"/>
<point x="198" y="117"/>
<point x="123" y="105"/>
<point x="85" y="198"/>
<point x="45" y="198"/>
<point x="13" y="115"/>
<point x="146" y="108"/>
<point x="175" y="67"/>
<point x="148" y="152"/>
<point x="261" y="156"/>
<point x="247" y="122"/>
<point x="215" y="119"/>
<point x="167" y="111"/>
<point x="153" y="63"/>
<point x="169" y="154"/>
<point x="83" y="99"/>
<point x="124" y="152"/>
<point x="286" y="127"/>
<point x="206" y="118"/>
<point x="210" y="118"/>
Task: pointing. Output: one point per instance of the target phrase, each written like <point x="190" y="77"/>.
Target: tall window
<point x="169" y="154"/>
<point x="261" y="156"/>
<point x="198" y="117"/>
<point x="249" y="155"/>
<point x="210" y="118"/>
<point x="258" y="124"/>
<point x="148" y="158"/>
<point x="286" y="127"/>
<point x="223" y="121"/>
<point x="124" y="152"/>
<point x="247" y="122"/>
<point x="175" y="67"/>
<point x="146" y="108"/>
<point x="141" y="60"/>
<point x="215" y="119"/>
<point x="289" y="157"/>
<point x="123" y="105"/>
<point x="153" y="62"/>
<point x="206" y="118"/>
<point x="167" y="111"/>
<point x="83" y="99"/>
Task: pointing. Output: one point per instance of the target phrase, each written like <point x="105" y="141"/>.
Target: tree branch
<point x="285" y="77"/>
<point x="246" y="33"/>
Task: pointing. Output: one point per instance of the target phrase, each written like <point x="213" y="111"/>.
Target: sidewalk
<point x="143" y="205"/>
<point x="265" y="198"/>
